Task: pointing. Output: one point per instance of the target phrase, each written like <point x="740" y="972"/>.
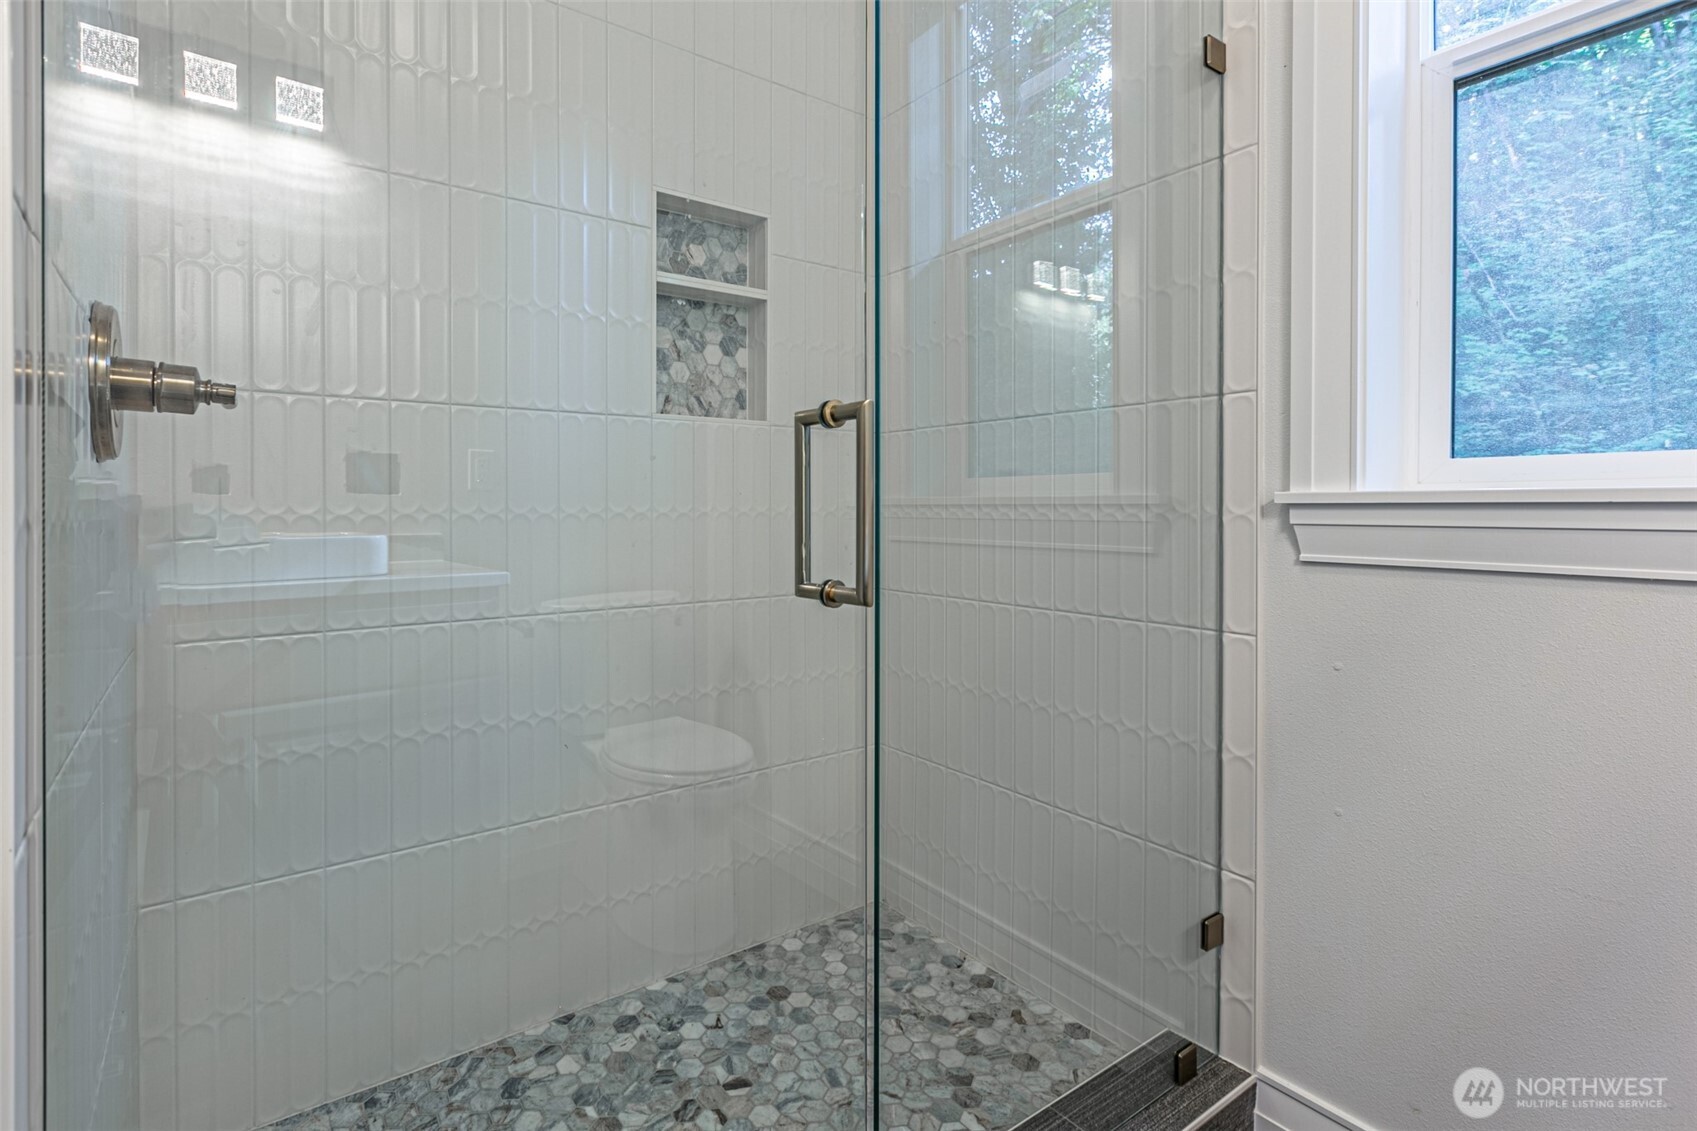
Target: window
<point x="1038" y="111"/>
<point x="1575" y="248"/>
<point x="1495" y="263"/>
<point x="1545" y="162"/>
<point x="1033" y="125"/>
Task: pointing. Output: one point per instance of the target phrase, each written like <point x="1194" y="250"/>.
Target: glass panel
<point x="1061" y="326"/>
<point x="1048" y="687"/>
<point x="1575" y="253"/>
<point x="446" y="695"/>
<point x="1038" y="94"/>
<point x="1456" y="21"/>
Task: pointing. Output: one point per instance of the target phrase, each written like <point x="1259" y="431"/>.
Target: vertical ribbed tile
<point x="715" y="130"/>
<point x="477" y="531"/>
<point x="1240" y="279"/>
<point x="631" y="849"/>
<point x="582" y="53"/>
<point x="477" y="94"/>
<point x="357" y="744"/>
<point x="156" y="1008"/>
<point x="214" y="786"/>
<point x="1240" y="496"/>
<point x="532" y="63"/>
<point x="289" y="985"/>
<point x="535" y="986"/>
<point x="584" y="246"/>
<point x="418" y="290"/>
<point x="361" y="475"/>
<point x="582" y="496"/>
<point x="630" y="122"/>
<point x="423" y="943"/>
<point x="534" y="738"/>
<point x="477" y="281"/>
<point x="1241" y="104"/>
<point x="1238" y="754"/>
<point x="533" y="512"/>
<point x="674" y="463"/>
<point x="479" y="698"/>
<point x="418" y="88"/>
<point x="585" y="910"/>
<point x="288" y="498"/>
<point x="752" y="37"/>
<point x="630" y="502"/>
<point x="533" y="306"/>
<point x="215" y="1037"/>
<point x="420" y="509"/>
<point x="356" y="80"/>
<point x="674" y="119"/>
<point x="359" y="975"/>
<point x="356" y="289"/>
<point x="1237" y="970"/>
<point x="630" y="320"/>
<point x="288" y="740"/>
<point x="422" y="789"/>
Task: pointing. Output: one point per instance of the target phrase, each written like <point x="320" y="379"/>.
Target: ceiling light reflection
<point x="209" y="80"/>
<point x="300" y="104"/>
<point x="109" y="54"/>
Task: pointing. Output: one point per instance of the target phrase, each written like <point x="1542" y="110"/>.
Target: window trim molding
<point x="1603" y="531"/>
<point x="1597" y="533"/>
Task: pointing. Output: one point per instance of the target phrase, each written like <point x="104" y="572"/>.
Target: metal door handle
<point x="126" y="384"/>
<point x="835" y="414"/>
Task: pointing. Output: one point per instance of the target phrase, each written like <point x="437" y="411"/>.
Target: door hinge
<point x="1213" y="931"/>
<point x="1214" y="54"/>
<point x="1184" y="1064"/>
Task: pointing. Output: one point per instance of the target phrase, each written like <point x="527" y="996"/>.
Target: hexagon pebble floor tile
<point x="770" y="1037"/>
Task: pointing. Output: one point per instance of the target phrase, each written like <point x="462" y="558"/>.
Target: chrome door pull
<point x="835" y="414"/>
<point x="119" y="384"/>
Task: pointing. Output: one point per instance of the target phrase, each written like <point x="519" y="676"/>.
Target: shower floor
<point x="769" y="1037"/>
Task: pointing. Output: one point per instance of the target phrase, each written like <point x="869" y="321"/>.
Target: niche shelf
<point x="710" y="310"/>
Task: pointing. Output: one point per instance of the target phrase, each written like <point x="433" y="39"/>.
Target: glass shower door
<point x="435" y="727"/>
<point x="1049" y="692"/>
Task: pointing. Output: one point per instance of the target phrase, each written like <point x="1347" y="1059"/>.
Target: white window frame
<point x="1372" y="480"/>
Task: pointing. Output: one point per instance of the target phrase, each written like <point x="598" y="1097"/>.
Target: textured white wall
<point x="1478" y="843"/>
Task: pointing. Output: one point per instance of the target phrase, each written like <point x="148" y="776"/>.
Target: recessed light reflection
<point x="300" y="104"/>
<point x="209" y="80"/>
<point x="109" y="54"/>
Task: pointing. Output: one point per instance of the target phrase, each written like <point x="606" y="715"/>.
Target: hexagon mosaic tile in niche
<point x="701" y="358"/>
<point x="701" y="249"/>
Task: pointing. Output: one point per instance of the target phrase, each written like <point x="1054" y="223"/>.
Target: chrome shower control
<point x="125" y="384"/>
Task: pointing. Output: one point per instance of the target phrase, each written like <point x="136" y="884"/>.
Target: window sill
<point x="1640" y="532"/>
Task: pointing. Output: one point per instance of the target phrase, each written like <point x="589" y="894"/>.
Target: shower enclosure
<point x="614" y="563"/>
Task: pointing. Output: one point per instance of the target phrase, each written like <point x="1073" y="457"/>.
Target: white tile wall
<point x="371" y="827"/>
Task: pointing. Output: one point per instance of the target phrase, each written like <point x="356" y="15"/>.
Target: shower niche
<point x="709" y="310"/>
